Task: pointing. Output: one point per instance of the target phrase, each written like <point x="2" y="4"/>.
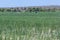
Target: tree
<point x="2" y="10"/>
<point x="8" y="10"/>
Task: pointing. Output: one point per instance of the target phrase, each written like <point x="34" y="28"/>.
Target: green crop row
<point x="29" y="26"/>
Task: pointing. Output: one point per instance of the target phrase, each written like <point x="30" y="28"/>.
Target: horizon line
<point x="27" y="6"/>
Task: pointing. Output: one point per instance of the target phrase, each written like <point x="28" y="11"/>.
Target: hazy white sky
<point x="14" y="3"/>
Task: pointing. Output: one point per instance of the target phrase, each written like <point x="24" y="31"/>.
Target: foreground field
<point x="29" y="26"/>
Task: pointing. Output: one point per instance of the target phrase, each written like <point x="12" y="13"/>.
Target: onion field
<point x="29" y="26"/>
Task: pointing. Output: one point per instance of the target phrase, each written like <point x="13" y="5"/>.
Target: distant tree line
<point x="27" y="9"/>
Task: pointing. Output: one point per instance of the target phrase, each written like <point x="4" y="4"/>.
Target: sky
<point x="23" y="3"/>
